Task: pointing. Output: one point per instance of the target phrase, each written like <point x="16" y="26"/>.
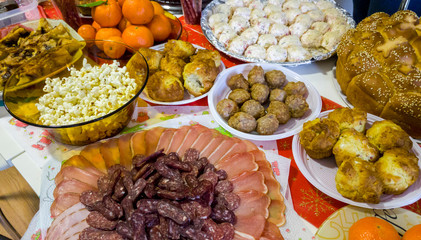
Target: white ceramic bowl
<point x="321" y="173"/>
<point x="220" y="91"/>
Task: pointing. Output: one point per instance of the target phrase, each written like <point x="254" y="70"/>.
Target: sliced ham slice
<point x="138" y="143"/>
<point x="271" y="232"/>
<point x="252" y="180"/>
<point x="250" y="146"/>
<point x="152" y="138"/>
<point x="191" y="137"/>
<point x="71" y="186"/>
<point x="242" y="236"/>
<point x="277" y="206"/>
<point x="249" y="227"/>
<point x="110" y="152"/>
<point x="93" y="155"/>
<point x="69" y="224"/>
<point x="237" y="164"/>
<point x="224" y="147"/>
<point x="63" y="202"/>
<point x="177" y="139"/>
<point x="204" y="139"/>
<point x="238" y="147"/>
<point x="165" y="139"/>
<point x="124" y="146"/>
<point x="213" y="145"/>
<point x="253" y="203"/>
<point x="71" y="172"/>
<point x="78" y="161"/>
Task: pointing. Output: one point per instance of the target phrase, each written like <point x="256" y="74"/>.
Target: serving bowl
<point x="20" y="99"/>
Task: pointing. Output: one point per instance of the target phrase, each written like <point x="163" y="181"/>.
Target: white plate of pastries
<point x="373" y="187"/>
<point x="289" y="32"/>
<point x="288" y="96"/>
<point x="173" y="67"/>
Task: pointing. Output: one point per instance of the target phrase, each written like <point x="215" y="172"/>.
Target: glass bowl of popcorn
<point x="81" y="97"/>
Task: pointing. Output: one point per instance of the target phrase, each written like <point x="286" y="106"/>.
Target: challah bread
<point x="379" y="68"/>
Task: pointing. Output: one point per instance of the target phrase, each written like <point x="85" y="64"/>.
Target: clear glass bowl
<point x="23" y="90"/>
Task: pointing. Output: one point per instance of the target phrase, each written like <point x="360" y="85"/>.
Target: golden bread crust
<point x="319" y="136"/>
<point x="398" y="170"/>
<point x="379" y="60"/>
<point x="386" y="135"/>
<point x="199" y="76"/>
<point x="349" y="118"/>
<point x="358" y="181"/>
<point x="179" y="48"/>
<point x="164" y="87"/>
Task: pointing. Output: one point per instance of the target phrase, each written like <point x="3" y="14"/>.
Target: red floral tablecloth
<point x="309" y="202"/>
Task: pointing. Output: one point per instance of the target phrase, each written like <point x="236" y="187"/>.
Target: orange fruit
<point x="106" y="33"/>
<point x="87" y="32"/>
<point x="414" y="233"/>
<point x="160" y="27"/>
<point x="120" y="2"/>
<point x="96" y="26"/>
<point x="138" y="11"/>
<point x="157" y="9"/>
<point x="113" y="49"/>
<point x="372" y="228"/>
<point x="107" y="14"/>
<point x="138" y="36"/>
<point x="124" y="23"/>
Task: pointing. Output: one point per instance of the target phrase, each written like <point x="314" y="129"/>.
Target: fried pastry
<point x="398" y="170"/>
<point x="353" y="144"/>
<point x="349" y="118"/>
<point x="357" y="180"/>
<point x="179" y="48"/>
<point x="164" y="87"/>
<point x="153" y="58"/>
<point x="207" y="54"/>
<point x="199" y="76"/>
<point x="173" y="65"/>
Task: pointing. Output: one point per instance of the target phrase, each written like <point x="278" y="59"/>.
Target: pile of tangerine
<point x="137" y="23"/>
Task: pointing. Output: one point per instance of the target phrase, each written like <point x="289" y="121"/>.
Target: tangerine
<point x="120" y="2"/>
<point x="124" y="23"/>
<point x="414" y="233"/>
<point x="138" y="36"/>
<point x="372" y="228"/>
<point x="96" y="26"/>
<point x="160" y="27"/>
<point x="138" y="11"/>
<point x="114" y="48"/>
<point x="87" y="32"/>
<point x="157" y="9"/>
<point x="107" y="14"/>
<point x="104" y="34"/>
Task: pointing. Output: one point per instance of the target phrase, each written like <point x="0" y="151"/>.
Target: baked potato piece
<point x="358" y="181"/>
<point x="386" y="135"/>
<point x="173" y="65"/>
<point x="165" y="87"/>
<point x="398" y="170"/>
<point x="353" y="144"/>
<point x="199" y="76"/>
<point x="179" y="48"/>
<point x="207" y="54"/>
<point x="153" y="58"/>
<point x="349" y="118"/>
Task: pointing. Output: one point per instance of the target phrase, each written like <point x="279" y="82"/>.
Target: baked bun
<point x="179" y="48"/>
<point x="398" y="170"/>
<point x="173" y="65"/>
<point x="378" y="68"/>
<point x="357" y="180"/>
<point x="165" y="87"/>
<point x="386" y="135"/>
<point x="199" y="76"/>
<point x="353" y="144"/>
<point x="207" y="54"/>
<point x="349" y="118"/>
<point x="319" y="136"/>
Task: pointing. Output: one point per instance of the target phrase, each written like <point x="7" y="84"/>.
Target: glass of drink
<point x="192" y="10"/>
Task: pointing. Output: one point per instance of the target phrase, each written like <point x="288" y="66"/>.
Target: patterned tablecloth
<point x="309" y="202"/>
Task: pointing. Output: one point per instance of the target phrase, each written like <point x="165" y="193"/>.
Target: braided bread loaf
<point x="379" y="68"/>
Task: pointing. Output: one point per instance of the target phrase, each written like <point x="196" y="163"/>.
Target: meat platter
<point x="253" y="181"/>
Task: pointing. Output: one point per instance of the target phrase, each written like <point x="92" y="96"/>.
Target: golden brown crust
<point x="207" y="54"/>
<point x="179" y="48"/>
<point x="398" y="170"/>
<point x="153" y="58"/>
<point x="173" y="65"/>
<point x="164" y="87"/>
<point x="386" y="135"/>
<point x="349" y="118"/>
<point x="199" y="76"/>
<point x="390" y="47"/>
<point x="319" y="136"/>
<point x="357" y="180"/>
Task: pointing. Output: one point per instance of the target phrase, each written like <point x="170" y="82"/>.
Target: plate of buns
<point x="180" y="72"/>
<point x="378" y="68"/>
<point x="359" y="159"/>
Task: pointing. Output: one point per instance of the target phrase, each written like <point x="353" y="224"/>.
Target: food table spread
<point x="309" y="202"/>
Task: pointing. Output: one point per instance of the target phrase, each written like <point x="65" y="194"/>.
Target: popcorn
<point x="88" y="93"/>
